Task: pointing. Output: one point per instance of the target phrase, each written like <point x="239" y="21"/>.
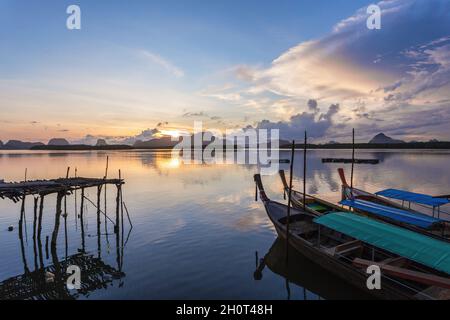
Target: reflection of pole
<point x="82" y="220"/>
<point x="57" y="218"/>
<point x="117" y="227"/>
<point x="99" y="191"/>
<point x="288" y="289"/>
<point x="23" y="216"/>
<point x="39" y="230"/>
<point x="289" y="199"/>
<point x="22" y="246"/>
<point x="65" y="226"/>
<point x="34" y="232"/>
<point x="76" y="207"/>
<point x="106" y="212"/>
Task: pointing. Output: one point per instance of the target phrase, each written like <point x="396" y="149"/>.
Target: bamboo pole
<point x="59" y="197"/>
<point x="82" y="220"/>
<point x="99" y="191"/>
<point x="66" y="242"/>
<point x="34" y="232"/>
<point x="22" y="246"/>
<point x="39" y="230"/>
<point x="289" y="199"/>
<point x="353" y="158"/>
<point x="304" y="172"/>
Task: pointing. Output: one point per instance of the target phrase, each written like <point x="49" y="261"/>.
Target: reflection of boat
<point x="306" y="274"/>
<point x="95" y="274"/>
<point x="412" y="266"/>
<point x="384" y="210"/>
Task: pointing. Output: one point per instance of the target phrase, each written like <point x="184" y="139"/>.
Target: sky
<point x="141" y="69"/>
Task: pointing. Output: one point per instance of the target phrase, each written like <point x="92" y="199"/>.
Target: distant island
<point x="380" y="141"/>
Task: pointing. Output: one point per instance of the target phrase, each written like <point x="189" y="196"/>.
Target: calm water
<point x="196" y="227"/>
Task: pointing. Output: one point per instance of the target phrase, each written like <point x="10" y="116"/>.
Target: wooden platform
<point x="357" y="161"/>
<point x="16" y="190"/>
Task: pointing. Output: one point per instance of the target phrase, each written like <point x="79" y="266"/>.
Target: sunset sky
<point x="139" y="69"/>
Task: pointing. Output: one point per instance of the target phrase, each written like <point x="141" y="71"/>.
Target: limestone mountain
<point x="381" y="138"/>
<point x="58" y="142"/>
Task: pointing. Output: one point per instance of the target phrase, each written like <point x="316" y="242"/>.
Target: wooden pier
<point x="17" y="190"/>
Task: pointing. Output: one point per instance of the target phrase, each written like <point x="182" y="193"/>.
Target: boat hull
<point x="340" y="269"/>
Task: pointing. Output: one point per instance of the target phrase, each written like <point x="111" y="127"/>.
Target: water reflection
<point x="315" y="283"/>
<point x="189" y="220"/>
<point x="49" y="281"/>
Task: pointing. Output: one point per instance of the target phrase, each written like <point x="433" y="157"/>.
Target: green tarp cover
<point x="411" y="245"/>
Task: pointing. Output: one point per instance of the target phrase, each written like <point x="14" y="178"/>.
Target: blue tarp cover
<point x="412" y="197"/>
<point x="416" y="219"/>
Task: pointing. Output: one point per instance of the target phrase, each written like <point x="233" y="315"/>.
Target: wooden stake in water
<point x="304" y="173"/>
<point x="289" y="198"/>
<point x="353" y="158"/>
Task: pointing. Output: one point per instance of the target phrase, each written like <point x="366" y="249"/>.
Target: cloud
<point x="316" y="125"/>
<point x="195" y="114"/>
<point x="162" y="62"/>
<point x="402" y="69"/>
<point x="145" y="135"/>
<point x="312" y="105"/>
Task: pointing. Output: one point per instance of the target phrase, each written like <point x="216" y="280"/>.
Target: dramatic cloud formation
<point x="316" y="124"/>
<point x="379" y="77"/>
<point x="145" y="135"/>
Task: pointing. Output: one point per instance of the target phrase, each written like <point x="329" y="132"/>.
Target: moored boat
<point x="379" y="207"/>
<point x="412" y="265"/>
<point x="374" y="207"/>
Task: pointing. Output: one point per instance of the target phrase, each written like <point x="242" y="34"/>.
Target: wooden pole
<point x="105" y="210"/>
<point x="117" y="226"/>
<point x="22" y="246"/>
<point x="26" y="171"/>
<point x="55" y="232"/>
<point x="39" y="230"/>
<point x="66" y="242"/>
<point x="353" y="157"/>
<point x="304" y="172"/>
<point x="289" y="198"/>
<point x="34" y="232"/>
<point x="99" y="191"/>
<point x="82" y="220"/>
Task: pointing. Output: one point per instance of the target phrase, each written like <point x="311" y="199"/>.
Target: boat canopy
<point x="411" y="245"/>
<point x="413" y="218"/>
<point x="412" y="197"/>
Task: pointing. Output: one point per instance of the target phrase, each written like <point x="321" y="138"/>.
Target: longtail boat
<point x="413" y="266"/>
<point x="387" y="210"/>
<point x="374" y="207"/>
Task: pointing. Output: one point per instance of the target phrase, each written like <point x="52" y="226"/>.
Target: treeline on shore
<point x="410" y="145"/>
